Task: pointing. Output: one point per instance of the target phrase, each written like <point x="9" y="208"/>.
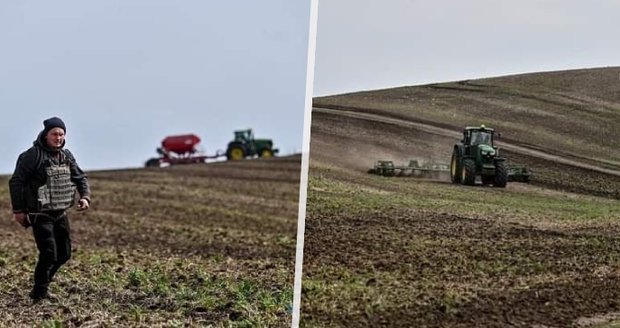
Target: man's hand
<point x="22" y="219"/>
<point x="83" y="204"/>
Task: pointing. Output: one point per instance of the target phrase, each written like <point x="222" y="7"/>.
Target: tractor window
<point x="480" y="137"/>
<point x="243" y="136"/>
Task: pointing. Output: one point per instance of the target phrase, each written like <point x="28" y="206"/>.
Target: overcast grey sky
<point x="124" y="74"/>
<point x="368" y="44"/>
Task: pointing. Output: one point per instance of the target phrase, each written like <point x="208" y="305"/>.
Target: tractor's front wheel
<point x="501" y="176"/>
<point x="468" y="174"/>
<point x="454" y="168"/>
<point x="236" y="153"/>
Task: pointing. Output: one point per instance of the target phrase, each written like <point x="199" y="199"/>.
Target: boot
<point x="39" y="296"/>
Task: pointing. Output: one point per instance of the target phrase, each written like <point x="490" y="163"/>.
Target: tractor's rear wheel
<point x="454" y="168"/>
<point x="236" y="153"/>
<point x="501" y="176"/>
<point x="468" y="174"/>
<point x="266" y="153"/>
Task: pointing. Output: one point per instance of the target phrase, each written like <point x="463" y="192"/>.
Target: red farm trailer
<point x="180" y="149"/>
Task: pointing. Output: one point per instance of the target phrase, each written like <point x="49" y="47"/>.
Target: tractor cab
<point x="473" y="136"/>
<point x="244" y="136"/>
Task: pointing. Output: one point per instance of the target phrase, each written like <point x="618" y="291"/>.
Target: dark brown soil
<point x="356" y="143"/>
<point x="211" y="244"/>
<point x="432" y="267"/>
<point x="451" y="250"/>
<point x="578" y="110"/>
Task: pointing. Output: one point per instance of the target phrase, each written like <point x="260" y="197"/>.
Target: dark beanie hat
<point x="53" y="122"/>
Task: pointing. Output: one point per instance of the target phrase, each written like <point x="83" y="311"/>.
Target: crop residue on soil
<point x="392" y="252"/>
<point x="187" y="245"/>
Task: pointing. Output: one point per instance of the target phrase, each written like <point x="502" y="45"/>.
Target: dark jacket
<point x="30" y="174"/>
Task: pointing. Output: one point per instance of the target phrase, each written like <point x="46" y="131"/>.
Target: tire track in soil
<point x="544" y="277"/>
<point x="440" y="129"/>
<point x="349" y="142"/>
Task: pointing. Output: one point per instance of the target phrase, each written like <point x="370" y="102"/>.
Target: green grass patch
<point x="333" y="191"/>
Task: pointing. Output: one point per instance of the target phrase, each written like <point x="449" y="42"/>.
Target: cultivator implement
<point x="180" y="149"/>
<point x="518" y="174"/>
<point x="414" y="169"/>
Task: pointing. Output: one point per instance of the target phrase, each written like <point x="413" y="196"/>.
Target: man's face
<point x="55" y="137"/>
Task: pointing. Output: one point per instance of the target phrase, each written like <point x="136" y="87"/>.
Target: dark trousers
<point x="53" y="238"/>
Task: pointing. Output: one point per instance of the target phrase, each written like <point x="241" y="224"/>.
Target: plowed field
<point x="407" y="252"/>
<point x="178" y="246"/>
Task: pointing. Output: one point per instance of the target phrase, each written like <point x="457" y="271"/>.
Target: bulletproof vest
<point x="58" y="193"/>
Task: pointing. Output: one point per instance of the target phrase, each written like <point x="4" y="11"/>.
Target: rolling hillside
<point x="570" y="113"/>
<point x="389" y="252"/>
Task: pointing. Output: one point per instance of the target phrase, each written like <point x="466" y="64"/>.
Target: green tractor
<point x="245" y="145"/>
<point x="476" y="156"/>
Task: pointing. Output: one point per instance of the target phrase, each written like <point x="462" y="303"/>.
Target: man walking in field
<point x="42" y="188"/>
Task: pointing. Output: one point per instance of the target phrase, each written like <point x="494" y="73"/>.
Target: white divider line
<point x="305" y="158"/>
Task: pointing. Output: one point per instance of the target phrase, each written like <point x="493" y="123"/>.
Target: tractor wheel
<point x="454" y="168"/>
<point x="236" y="153"/>
<point x="153" y="162"/>
<point x="501" y="176"/>
<point x="266" y="153"/>
<point x="468" y="172"/>
<point x="488" y="179"/>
